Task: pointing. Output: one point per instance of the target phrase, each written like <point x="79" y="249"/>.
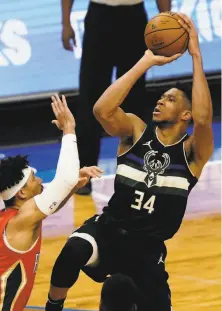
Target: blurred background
<point x="33" y="63"/>
<point x="33" y="66"/>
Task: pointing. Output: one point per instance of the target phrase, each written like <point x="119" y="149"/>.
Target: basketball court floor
<point x="193" y="260"/>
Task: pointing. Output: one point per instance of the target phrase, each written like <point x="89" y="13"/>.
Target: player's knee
<point x="74" y="255"/>
<point x="76" y="252"/>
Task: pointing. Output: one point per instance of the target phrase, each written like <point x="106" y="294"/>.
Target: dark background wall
<point x="29" y="121"/>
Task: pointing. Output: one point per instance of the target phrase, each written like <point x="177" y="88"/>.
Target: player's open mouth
<point x="156" y="111"/>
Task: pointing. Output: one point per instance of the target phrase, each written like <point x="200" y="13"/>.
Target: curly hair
<point x="11" y="173"/>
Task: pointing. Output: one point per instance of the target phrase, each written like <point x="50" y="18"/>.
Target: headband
<point x="11" y="192"/>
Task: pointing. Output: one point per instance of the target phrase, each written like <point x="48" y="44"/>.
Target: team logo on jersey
<point x="154" y="164"/>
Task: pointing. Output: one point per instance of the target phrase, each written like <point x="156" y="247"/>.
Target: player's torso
<point x="151" y="187"/>
<point x="17" y="269"/>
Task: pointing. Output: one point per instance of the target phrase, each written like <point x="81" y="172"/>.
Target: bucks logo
<point x="154" y="164"/>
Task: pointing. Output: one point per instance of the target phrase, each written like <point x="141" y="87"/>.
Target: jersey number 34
<point x="138" y="203"/>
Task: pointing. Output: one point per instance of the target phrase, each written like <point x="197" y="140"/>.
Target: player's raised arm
<point x="67" y="174"/>
<point x="202" y="141"/>
<point x="107" y="109"/>
<point x="163" y="5"/>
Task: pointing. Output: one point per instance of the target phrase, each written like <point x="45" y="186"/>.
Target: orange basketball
<point x="165" y="36"/>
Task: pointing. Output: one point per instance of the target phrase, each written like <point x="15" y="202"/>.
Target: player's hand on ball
<point x="160" y="60"/>
<point x="64" y="117"/>
<point x="188" y="25"/>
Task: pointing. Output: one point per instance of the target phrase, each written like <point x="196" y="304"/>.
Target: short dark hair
<point x="119" y="293"/>
<point x="11" y="173"/>
<point x="186" y="90"/>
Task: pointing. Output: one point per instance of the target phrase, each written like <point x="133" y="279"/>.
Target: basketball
<point x="165" y="36"/>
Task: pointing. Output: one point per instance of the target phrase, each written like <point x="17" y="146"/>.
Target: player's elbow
<point x="100" y="113"/>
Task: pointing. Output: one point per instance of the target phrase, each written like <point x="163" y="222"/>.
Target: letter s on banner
<point x="18" y="49"/>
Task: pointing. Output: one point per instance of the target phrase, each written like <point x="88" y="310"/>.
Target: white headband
<point x="11" y="192"/>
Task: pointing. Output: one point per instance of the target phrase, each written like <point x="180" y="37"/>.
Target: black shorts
<point x="141" y="259"/>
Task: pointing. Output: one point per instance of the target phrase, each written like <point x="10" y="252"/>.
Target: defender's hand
<point x="86" y="173"/>
<point x="64" y="117"/>
<point x="90" y="172"/>
<point x="188" y="25"/>
<point x="68" y="36"/>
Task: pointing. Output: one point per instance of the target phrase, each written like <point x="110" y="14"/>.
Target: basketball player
<point x="27" y="204"/>
<point x="106" y="45"/>
<point x="119" y="293"/>
<point x="157" y="166"/>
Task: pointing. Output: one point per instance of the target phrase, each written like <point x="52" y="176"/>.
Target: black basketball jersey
<point x="151" y="187"/>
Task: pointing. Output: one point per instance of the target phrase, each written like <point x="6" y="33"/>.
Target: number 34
<point x="139" y="202"/>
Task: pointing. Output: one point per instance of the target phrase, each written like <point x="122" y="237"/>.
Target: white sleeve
<point x="66" y="177"/>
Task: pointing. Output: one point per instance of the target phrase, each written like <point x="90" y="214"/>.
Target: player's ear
<point x="22" y="193"/>
<point x="186" y="115"/>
